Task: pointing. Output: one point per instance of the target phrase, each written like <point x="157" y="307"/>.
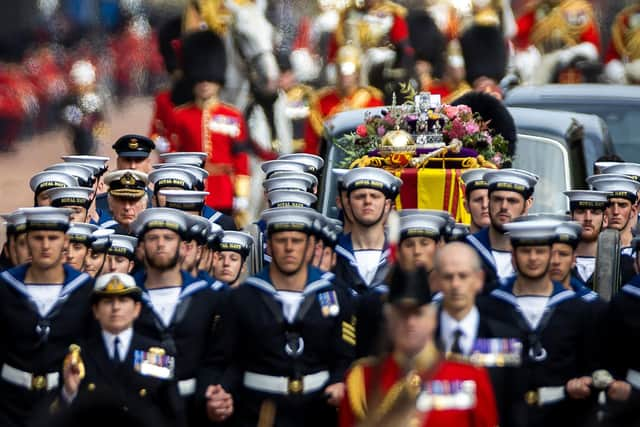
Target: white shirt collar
<point x="468" y="325"/>
<point x="125" y="341"/>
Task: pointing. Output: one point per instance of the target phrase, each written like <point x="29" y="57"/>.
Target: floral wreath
<point x="441" y="131"/>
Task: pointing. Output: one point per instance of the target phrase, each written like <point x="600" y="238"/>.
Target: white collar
<point x="125" y="341"/>
<point x="468" y="325"/>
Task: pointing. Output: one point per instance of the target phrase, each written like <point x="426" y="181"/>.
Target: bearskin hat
<point x="204" y="57"/>
<point x="427" y="41"/>
<point x="167" y="33"/>
<point x="493" y="110"/>
<point x="485" y="52"/>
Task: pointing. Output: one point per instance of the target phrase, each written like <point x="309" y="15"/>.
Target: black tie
<point x="455" y="347"/>
<point x="116" y="350"/>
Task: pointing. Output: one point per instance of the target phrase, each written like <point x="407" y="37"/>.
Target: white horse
<point x="251" y="78"/>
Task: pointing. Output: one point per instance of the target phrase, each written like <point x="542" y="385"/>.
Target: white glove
<point x="585" y="50"/>
<point x="633" y="71"/>
<point x="162" y="144"/>
<point x="615" y="72"/>
<point x="240" y="203"/>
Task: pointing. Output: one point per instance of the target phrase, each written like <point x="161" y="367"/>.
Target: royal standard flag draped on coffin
<point x="433" y="188"/>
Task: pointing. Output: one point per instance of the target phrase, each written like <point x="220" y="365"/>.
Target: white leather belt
<point x="28" y="380"/>
<point x="187" y="387"/>
<point x="285" y="385"/>
<point x="545" y="395"/>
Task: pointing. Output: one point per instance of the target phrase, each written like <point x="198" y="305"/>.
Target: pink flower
<point x="361" y="130"/>
<point x="457" y="129"/>
<point x="464" y="109"/>
<point x="450" y="111"/>
<point x="497" y="159"/>
<point x="381" y="130"/>
<point x="471" y="127"/>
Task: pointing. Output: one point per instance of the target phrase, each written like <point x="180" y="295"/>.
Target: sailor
<point x="554" y="326"/>
<point x="476" y="198"/>
<point x="181" y="311"/>
<point x="133" y="153"/>
<point x="185" y="158"/>
<point x="169" y="178"/>
<point x="16" y="251"/>
<point x="622" y="349"/>
<point x="117" y="361"/>
<point x="291" y="335"/>
<point x="194" y="245"/>
<point x="77" y="199"/>
<point x="563" y="260"/>
<point x="621" y="213"/>
<point x="96" y="256"/>
<point x="587" y="207"/>
<point x="410" y="383"/>
<point x="230" y="256"/>
<point x="193" y="202"/>
<point x="79" y="243"/>
<point x="510" y="196"/>
<point x="127" y="197"/>
<point x="44" y="306"/>
<point x="99" y="165"/>
<point x="362" y="254"/>
<point x="49" y="179"/>
<point x="84" y="174"/>
<point x="313" y="164"/>
<point x="420" y="234"/>
<point x="121" y="254"/>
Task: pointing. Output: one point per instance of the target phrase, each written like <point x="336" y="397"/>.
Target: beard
<point x="163" y="265"/>
<point x="497" y="226"/>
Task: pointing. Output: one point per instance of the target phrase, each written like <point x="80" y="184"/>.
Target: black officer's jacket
<point x="257" y="336"/>
<point x="37" y="344"/>
<point x="154" y="400"/>
<point x="559" y="349"/>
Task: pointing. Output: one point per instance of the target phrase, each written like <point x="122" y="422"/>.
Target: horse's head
<point x="254" y="36"/>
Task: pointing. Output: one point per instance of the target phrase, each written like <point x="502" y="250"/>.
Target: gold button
<point x="531" y="397"/>
<point x="295" y="386"/>
<point x="143" y="392"/>
<point x="91" y="387"/>
<point x="39" y="382"/>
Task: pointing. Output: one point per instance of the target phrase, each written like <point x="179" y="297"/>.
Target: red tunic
<point x="222" y="133"/>
<point x="162" y="121"/>
<point x="329" y="103"/>
<point x="482" y="414"/>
